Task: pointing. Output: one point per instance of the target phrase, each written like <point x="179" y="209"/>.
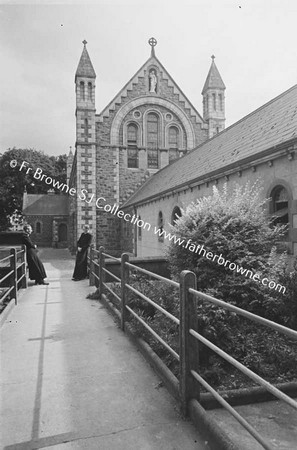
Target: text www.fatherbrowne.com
<point x="135" y="220"/>
<point x="199" y="249"/>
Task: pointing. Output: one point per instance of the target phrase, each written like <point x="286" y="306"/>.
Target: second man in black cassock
<point x="81" y="263"/>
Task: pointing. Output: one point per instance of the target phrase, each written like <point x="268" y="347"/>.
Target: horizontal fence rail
<point x="187" y="325"/>
<point x="17" y="276"/>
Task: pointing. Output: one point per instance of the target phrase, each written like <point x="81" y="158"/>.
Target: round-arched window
<point x="280" y="205"/>
<point x="38" y="227"/>
<point x="160" y="226"/>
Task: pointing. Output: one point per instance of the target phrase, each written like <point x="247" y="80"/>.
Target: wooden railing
<point x="16" y="263"/>
<point x="189" y="337"/>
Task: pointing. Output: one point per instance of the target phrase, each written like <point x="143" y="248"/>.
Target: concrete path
<point x="72" y="380"/>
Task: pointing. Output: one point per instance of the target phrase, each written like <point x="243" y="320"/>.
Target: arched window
<point x="214" y="106"/>
<point x="86" y="129"/>
<point x="152" y="141"/>
<point x="221" y="102"/>
<point x="160" y="226"/>
<point x="82" y="90"/>
<point x="38" y="227"/>
<point x="89" y="91"/>
<point x="139" y="230"/>
<point x="132" y="150"/>
<point x="173" y="139"/>
<point x="280" y="205"/>
<point x="176" y="213"/>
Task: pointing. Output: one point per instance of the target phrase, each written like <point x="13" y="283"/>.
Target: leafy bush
<point x="235" y="226"/>
<point x="262" y="350"/>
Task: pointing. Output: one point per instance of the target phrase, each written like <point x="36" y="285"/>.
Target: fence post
<point x="14" y="276"/>
<point x="24" y="268"/>
<point x="124" y="293"/>
<point x="189" y="348"/>
<point x="101" y="271"/>
<point x="92" y="267"/>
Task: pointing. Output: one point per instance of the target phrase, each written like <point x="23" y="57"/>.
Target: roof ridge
<point x="244" y="118"/>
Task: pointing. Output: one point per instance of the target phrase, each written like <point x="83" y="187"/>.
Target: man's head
<point x="86" y="228"/>
<point x="27" y="229"/>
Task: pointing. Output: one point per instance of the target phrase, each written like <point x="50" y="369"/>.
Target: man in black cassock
<point x="36" y="268"/>
<point x="81" y="263"/>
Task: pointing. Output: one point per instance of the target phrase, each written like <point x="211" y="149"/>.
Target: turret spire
<point x="213" y="79"/>
<point x="85" y="67"/>
<point x="214" y="100"/>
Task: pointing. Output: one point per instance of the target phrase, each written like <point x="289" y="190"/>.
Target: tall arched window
<point x="132" y="150"/>
<point x="82" y="90"/>
<point x="86" y="129"/>
<point x="38" y="227"/>
<point x="173" y="143"/>
<point x="214" y="106"/>
<point x="89" y="91"/>
<point x="221" y="102"/>
<point x="280" y="205"/>
<point x="160" y="226"/>
<point x="152" y="140"/>
<point x="176" y="213"/>
<point x="139" y="230"/>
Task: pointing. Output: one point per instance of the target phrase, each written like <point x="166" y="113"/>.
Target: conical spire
<point x="213" y="79"/>
<point x="85" y="67"/>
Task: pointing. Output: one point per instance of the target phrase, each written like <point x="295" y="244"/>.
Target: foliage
<point x="268" y="353"/>
<point x="235" y="226"/>
<point x="13" y="181"/>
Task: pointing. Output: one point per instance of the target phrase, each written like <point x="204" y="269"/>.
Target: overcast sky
<point x="254" y="42"/>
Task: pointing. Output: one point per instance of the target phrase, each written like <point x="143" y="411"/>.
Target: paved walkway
<point x="72" y="380"/>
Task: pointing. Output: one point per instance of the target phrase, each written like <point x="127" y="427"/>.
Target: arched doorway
<point x="62" y="232"/>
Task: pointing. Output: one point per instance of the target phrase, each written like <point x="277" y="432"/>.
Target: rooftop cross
<point x="213" y="58"/>
<point x="153" y="42"/>
<point x="84" y="42"/>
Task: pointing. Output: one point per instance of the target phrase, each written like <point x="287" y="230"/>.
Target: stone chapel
<point x="150" y="153"/>
<point x="148" y="125"/>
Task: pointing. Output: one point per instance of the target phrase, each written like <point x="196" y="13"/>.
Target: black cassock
<point x="36" y="268"/>
<point x="81" y="263"/>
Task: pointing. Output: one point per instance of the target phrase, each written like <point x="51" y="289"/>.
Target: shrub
<point x="235" y="226"/>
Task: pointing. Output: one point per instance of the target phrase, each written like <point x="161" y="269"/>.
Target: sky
<point x="254" y="42"/>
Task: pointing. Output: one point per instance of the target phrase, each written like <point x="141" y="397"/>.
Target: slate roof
<point x="45" y="205"/>
<point x="263" y="130"/>
<point x="213" y="79"/>
<point x="85" y="67"/>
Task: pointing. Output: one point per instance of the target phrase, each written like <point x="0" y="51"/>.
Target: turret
<point x="85" y="140"/>
<point x="214" y="100"/>
<point x="85" y="81"/>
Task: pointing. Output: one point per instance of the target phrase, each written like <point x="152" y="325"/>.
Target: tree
<point x="234" y="225"/>
<point x="13" y="181"/>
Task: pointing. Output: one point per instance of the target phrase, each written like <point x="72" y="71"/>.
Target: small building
<point x="48" y="216"/>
